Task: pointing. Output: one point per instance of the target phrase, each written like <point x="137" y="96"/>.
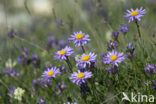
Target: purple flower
<point x="150" y="68"/>
<point x="79" y="38"/>
<point x="62" y="43"/>
<point x="41" y="101"/>
<point x="34" y="81"/>
<point x="52" y="41"/>
<point x="135" y="14"/>
<point x="51" y="72"/>
<point x="10" y="71"/>
<point x="113" y="58"/>
<point x="44" y="82"/>
<point x="59" y="88"/>
<point x="70" y="103"/>
<point x="23" y="58"/>
<point x="124" y="28"/>
<point x="130" y="50"/>
<point x="84" y="88"/>
<point x="11" y="33"/>
<point x="154" y="84"/>
<point x="112" y="69"/>
<point x="115" y="35"/>
<point x="11" y="90"/>
<point x="48" y="65"/>
<point x="62" y="68"/>
<point x="111" y="45"/>
<point x="86" y="59"/>
<point x="61" y="85"/>
<point x="62" y="54"/>
<point x="80" y="77"/>
<point x="35" y="60"/>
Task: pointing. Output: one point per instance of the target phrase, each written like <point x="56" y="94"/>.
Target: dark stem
<point x="84" y="89"/>
<point x="141" y="43"/>
<point x="69" y="64"/>
<point x="138" y="28"/>
<point x="83" y="49"/>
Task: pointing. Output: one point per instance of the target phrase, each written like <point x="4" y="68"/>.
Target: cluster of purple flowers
<point x="115" y="35"/>
<point x="52" y="42"/>
<point x="150" y="68"/>
<point x="41" y="100"/>
<point x="11" y="33"/>
<point x="10" y="71"/>
<point x="111" y="45"/>
<point x="130" y="50"/>
<point x="84" y="62"/>
<point x="123" y="28"/>
<point x="24" y="59"/>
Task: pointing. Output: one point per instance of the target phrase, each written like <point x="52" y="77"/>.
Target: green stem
<point x="83" y="49"/>
<point x="69" y="64"/>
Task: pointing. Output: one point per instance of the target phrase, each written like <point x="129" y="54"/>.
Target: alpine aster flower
<point x="111" y="45"/>
<point x="51" y="72"/>
<point x="80" y="77"/>
<point x="62" y="54"/>
<point x="135" y="14"/>
<point x="86" y="59"/>
<point x="124" y="28"/>
<point x="79" y="38"/>
<point x="113" y="58"/>
<point x="150" y="68"/>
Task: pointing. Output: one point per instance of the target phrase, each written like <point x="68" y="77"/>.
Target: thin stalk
<point x="138" y="28"/>
<point x="69" y="64"/>
<point x="83" y="49"/>
<point x="140" y="36"/>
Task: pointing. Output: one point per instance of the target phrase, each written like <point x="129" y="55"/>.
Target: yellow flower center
<point x="80" y="75"/>
<point x="50" y="72"/>
<point x="79" y="36"/>
<point x="62" y="52"/>
<point x="134" y="13"/>
<point x="85" y="57"/>
<point x="113" y="57"/>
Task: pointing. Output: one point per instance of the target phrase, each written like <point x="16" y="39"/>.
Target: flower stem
<point x="83" y="49"/>
<point x="141" y="43"/>
<point x="138" y="28"/>
<point x="69" y="64"/>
